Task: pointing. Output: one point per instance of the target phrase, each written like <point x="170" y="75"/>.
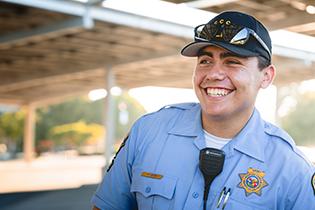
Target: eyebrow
<point x="222" y="55"/>
<point x="201" y="53"/>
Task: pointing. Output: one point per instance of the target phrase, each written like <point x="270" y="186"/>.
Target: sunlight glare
<point x="116" y="91"/>
<point x="97" y="94"/>
<point x="308" y="85"/>
<point x="309" y="152"/>
<point x="284" y="38"/>
<point x="154" y="98"/>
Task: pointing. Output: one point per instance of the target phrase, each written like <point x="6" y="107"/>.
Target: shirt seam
<point x="297" y="184"/>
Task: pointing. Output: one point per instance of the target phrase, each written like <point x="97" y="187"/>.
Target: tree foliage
<point x="82" y="109"/>
<point x="70" y="111"/>
<point x="134" y="109"/>
<point x="76" y="134"/>
<point x="11" y="130"/>
<point x="300" y="122"/>
<point x="70" y="123"/>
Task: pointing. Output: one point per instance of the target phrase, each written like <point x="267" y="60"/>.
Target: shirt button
<point x="195" y="195"/>
<point x="148" y="189"/>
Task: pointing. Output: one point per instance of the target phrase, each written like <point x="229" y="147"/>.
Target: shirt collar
<point x="189" y="124"/>
<point x="251" y="140"/>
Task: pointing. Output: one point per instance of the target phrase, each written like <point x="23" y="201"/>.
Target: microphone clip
<point x="211" y="163"/>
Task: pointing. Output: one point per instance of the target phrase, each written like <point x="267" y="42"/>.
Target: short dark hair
<point x="263" y="62"/>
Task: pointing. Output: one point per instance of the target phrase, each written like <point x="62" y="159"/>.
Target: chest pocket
<point x="236" y="203"/>
<point x="153" y="193"/>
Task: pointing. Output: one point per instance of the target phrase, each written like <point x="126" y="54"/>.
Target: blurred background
<point x="76" y="74"/>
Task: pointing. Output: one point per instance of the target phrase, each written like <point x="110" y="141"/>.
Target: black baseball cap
<point x="251" y="48"/>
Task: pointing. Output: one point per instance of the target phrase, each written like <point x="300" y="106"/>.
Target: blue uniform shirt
<point x="157" y="167"/>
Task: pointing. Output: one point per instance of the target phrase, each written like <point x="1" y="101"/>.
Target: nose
<point x="216" y="72"/>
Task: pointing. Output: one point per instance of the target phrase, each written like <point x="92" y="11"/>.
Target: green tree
<point x="11" y="129"/>
<point x="74" y="110"/>
<point x="76" y="134"/>
<point x="300" y="123"/>
<point x="127" y="104"/>
<point x="70" y="111"/>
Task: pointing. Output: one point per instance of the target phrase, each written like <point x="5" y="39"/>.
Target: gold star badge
<point x="252" y="182"/>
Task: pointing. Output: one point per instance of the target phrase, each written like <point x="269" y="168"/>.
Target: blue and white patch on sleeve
<point x="121" y="146"/>
<point x="313" y="182"/>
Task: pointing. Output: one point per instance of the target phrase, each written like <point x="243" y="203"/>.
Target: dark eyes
<point x="228" y="62"/>
<point x="233" y="62"/>
<point x="204" y="61"/>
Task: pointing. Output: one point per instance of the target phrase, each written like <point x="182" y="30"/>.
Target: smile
<point x="216" y="92"/>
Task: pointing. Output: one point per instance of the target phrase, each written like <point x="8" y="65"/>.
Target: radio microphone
<point x="211" y="162"/>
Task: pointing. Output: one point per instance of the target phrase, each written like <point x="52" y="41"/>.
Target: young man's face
<point x="226" y="84"/>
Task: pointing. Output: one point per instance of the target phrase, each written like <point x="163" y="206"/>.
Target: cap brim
<point x="192" y="49"/>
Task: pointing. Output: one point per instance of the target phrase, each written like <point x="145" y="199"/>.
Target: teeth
<point x="216" y="92"/>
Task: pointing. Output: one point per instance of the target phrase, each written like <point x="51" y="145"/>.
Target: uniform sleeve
<point x="114" y="190"/>
<point x="302" y="194"/>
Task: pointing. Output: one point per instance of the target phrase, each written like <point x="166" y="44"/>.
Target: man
<point x="157" y="166"/>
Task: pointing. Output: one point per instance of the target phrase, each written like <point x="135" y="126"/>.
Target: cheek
<point x="197" y="78"/>
<point x="243" y="83"/>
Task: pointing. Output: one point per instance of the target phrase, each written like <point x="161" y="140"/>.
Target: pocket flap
<point x="147" y="186"/>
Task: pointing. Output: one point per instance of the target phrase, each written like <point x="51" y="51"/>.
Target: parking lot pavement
<point x="67" y="199"/>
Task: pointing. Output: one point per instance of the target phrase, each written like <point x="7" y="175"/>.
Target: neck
<point x="225" y="128"/>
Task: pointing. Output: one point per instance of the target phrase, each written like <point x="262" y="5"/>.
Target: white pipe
<point x="207" y="3"/>
<point x="110" y="117"/>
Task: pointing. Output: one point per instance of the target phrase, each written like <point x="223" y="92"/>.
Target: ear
<point x="268" y="75"/>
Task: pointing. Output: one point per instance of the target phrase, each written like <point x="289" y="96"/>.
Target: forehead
<point x="211" y="50"/>
<point x="222" y="53"/>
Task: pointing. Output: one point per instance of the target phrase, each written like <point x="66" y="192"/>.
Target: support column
<point x="109" y="117"/>
<point x="279" y="96"/>
<point x="29" y="134"/>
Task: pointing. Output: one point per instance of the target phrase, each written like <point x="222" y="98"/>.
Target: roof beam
<point x="256" y="6"/>
<point x="92" y="2"/>
<point x="57" y="6"/>
<point x="48" y="79"/>
<point x="65" y="76"/>
<point x="292" y="20"/>
<point x="129" y="63"/>
<point x="43" y="99"/>
<point x="110" y="15"/>
<point x="142" y="22"/>
<point x="308" y="57"/>
<point x="57" y="29"/>
<point x="11" y="101"/>
<point x="56" y="98"/>
<point x="199" y="4"/>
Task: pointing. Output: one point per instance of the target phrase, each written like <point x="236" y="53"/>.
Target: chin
<point x="215" y="113"/>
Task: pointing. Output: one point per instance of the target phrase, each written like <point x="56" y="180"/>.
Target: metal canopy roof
<point x="53" y="49"/>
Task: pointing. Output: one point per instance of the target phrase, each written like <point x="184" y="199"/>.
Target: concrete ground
<point x="51" y="172"/>
<point x="67" y="199"/>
